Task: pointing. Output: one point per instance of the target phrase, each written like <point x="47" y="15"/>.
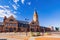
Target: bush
<point x="38" y="33"/>
<point x="35" y="33"/>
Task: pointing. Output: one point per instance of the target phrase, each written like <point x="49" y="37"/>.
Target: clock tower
<point x="34" y="25"/>
<point x="35" y="18"/>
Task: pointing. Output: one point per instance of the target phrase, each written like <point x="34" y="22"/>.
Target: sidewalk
<point x="22" y="36"/>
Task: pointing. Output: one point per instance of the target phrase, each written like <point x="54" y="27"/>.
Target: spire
<point x="35" y="12"/>
<point x="35" y="16"/>
<point x="35" y="19"/>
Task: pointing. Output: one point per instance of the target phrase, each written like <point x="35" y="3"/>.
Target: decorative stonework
<point x="34" y="25"/>
<point x="10" y="24"/>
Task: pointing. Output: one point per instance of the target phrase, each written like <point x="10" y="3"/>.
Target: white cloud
<point x="4" y="7"/>
<point x="29" y="3"/>
<point x="15" y="12"/>
<point x="6" y="12"/>
<point x="22" y="1"/>
<point x="16" y="1"/>
<point x="15" y="7"/>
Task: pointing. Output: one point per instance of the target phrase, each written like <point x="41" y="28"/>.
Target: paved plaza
<point x="22" y="36"/>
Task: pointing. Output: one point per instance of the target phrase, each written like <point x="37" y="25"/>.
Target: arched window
<point x="14" y="29"/>
<point x="11" y="20"/>
<point x="32" y="29"/>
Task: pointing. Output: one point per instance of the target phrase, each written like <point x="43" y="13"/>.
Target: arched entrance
<point x="11" y="29"/>
<point x="14" y="29"/>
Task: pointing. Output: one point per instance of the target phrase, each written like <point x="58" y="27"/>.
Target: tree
<point x="57" y="29"/>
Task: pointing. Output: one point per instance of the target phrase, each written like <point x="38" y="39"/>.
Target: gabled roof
<point x="11" y="17"/>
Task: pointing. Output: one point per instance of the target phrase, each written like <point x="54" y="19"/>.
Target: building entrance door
<point x="14" y="29"/>
<point x="11" y="29"/>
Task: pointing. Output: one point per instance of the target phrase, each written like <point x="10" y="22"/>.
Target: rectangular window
<point x="7" y="24"/>
<point x="14" y="25"/>
<point x="11" y="24"/>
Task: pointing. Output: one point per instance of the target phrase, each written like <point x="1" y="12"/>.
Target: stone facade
<point x="10" y="24"/>
<point x="34" y="25"/>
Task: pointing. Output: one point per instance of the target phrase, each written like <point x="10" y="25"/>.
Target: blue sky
<point x="48" y="10"/>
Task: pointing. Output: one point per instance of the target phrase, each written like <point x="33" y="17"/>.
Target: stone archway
<point x="11" y="29"/>
<point x="15" y="29"/>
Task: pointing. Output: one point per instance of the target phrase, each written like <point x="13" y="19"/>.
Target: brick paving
<point x="22" y="36"/>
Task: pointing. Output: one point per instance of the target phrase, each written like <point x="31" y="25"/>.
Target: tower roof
<point x="35" y="16"/>
<point x="35" y="12"/>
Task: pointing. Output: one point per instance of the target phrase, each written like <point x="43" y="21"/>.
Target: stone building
<point x="34" y="25"/>
<point x="10" y="24"/>
<point x="1" y="26"/>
